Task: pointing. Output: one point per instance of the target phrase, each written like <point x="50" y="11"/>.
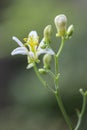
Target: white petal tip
<point x="13" y="37"/>
<point x="12" y="53"/>
<point x="30" y="66"/>
<point x="17" y="40"/>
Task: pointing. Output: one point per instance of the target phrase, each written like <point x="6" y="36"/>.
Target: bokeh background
<point x="24" y="103"/>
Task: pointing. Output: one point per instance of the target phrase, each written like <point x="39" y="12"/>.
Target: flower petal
<point x="33" y="34"/>
<point x="30" y="66"/>
<point x="47" y="50"/>
<point x="18" y="41"/>
<point x="41" y="43"/>
<point x="20" y="50"/>
<point x="31" y="54"/>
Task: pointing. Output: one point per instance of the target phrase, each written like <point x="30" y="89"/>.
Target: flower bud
<point x="60" y="22"/>
<point x="43" y="46"/>
<point x="47" y="33"/>
<point x="42" y="71"/>
<point x="46" y="61"/>
<point x="70" y="31"/>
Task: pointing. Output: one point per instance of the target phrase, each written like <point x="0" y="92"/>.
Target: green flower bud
<point x="70" y="31"/>
<point x="44" y="46"/>
<point x="60" y="22"/>
<point x="47" y="33"/>
<point x="42" y="71"/>
<point x="46" y="61"/>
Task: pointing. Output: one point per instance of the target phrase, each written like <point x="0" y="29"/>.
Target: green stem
<point x="56" y="72"/>
<point x="38" y="75"/>
<point x="42" y="80"/>
<point x="56" y="60"/>
<point x="80" y="115"/>
<point x="56" y="64"/>
<point x="61" y="47"/>
<point x="59" y="101"/>
<point x="57" y="95"/>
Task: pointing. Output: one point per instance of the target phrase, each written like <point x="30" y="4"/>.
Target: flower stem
<point x="56" y="60"/>
<point x="38" y="75"/>
<point x="57" y="95"/>
<point x="80" y="114"/>
<point x="45" y="84"/>
<point x="61" y="46"/>
<point x="60" y="103"/>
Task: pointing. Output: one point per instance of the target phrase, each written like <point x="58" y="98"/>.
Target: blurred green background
<point x="24" y="103"/>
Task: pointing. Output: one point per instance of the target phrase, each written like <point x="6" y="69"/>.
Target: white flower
<point x="31" y="48"/>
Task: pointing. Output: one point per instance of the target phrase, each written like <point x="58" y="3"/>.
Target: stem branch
<point x="42" y="80"/>
<point x="39" y="77"/>
<point x="61" y="47"/>
<point x="80" y="115"/>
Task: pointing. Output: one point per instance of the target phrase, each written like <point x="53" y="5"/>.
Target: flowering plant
<point x="33" y="48"/>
